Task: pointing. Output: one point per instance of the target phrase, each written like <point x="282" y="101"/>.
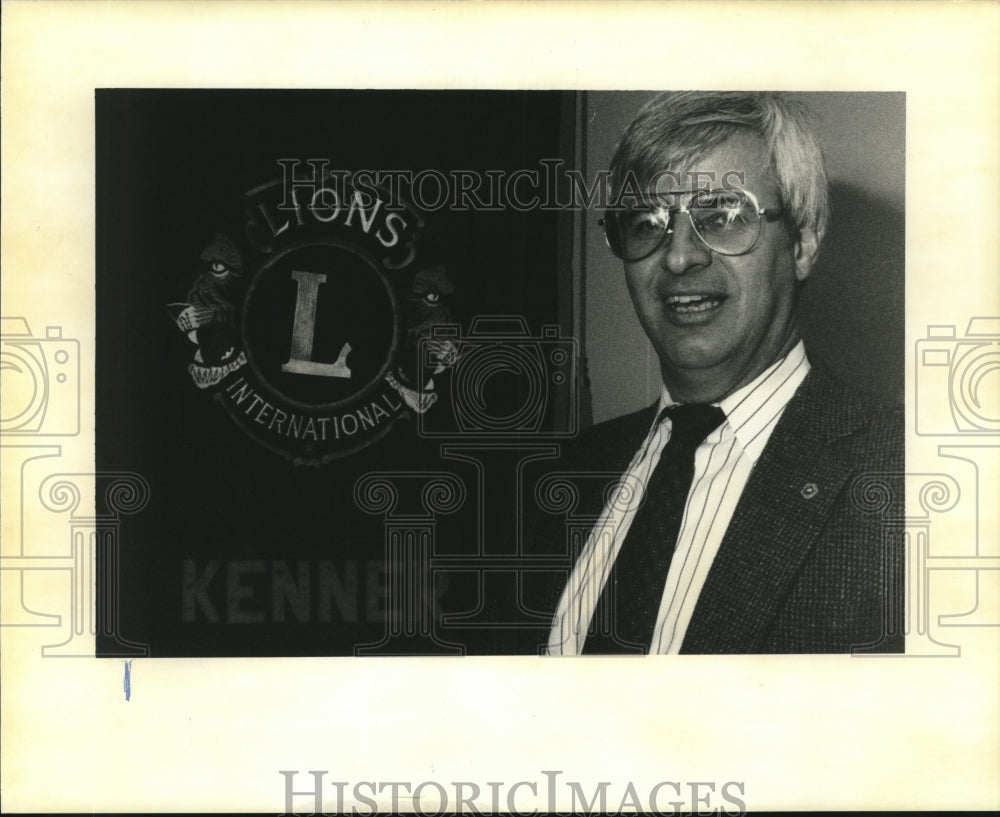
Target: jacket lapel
<point x="611" y="453"/>
<point x="593" y="462"/>
<point x="784" y="506"/>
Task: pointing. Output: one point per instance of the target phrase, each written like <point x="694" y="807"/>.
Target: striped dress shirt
<point x="722" y="466"/>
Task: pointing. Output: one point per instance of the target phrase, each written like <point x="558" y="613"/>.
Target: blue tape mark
<point x="128" y="680"/>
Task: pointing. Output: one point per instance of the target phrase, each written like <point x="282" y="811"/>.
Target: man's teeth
<point x="693" y="303"/>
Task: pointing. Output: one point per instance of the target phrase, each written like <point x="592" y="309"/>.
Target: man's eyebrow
<point x="652" y="198"/>
<point x="670" y="196"/>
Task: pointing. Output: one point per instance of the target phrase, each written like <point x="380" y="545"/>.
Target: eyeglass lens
<point x="725" y="221"/>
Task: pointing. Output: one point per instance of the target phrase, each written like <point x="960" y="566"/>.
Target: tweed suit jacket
<point x="807" y="564"/>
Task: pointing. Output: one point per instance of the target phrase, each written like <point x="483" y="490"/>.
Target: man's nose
<point x="684" y="251"/>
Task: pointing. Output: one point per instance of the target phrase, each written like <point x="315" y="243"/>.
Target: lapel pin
<point x="809" y="490"/>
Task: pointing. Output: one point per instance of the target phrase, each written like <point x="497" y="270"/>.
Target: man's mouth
<point x="700" y="302"/>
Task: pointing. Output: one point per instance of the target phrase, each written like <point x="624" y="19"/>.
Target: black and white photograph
<point x="370" y="372"/>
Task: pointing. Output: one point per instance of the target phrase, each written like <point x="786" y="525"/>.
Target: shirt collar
<point x="752" y="410"/>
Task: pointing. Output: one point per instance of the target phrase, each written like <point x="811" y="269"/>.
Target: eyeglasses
<point x="726" y="221"/>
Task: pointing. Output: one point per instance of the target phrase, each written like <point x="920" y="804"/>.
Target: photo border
<point x="821" y="732"/>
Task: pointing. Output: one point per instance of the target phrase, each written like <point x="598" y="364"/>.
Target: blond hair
<point x="676" y="128"/>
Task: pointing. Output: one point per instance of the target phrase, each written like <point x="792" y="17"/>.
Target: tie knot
<point x="693" y="422"/>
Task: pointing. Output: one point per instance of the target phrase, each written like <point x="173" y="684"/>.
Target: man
<point x="749" y="534"/>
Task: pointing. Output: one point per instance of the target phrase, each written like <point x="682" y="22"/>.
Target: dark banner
<point x="333" y="327"/>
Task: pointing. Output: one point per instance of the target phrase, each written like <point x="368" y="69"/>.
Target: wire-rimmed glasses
<point x="727" y="222"/>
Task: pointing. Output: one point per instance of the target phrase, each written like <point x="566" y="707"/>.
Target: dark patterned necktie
<point x="635" y="586"/>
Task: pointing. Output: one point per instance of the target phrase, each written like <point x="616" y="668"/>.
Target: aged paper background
<point x="798" y="732"/>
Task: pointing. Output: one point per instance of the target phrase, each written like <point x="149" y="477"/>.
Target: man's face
<point x="717" y="321"/>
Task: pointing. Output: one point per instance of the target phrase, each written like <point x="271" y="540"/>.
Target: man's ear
<point x="806" y="251"/>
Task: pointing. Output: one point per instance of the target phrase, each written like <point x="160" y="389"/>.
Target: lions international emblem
<point x="307" y="326"/>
